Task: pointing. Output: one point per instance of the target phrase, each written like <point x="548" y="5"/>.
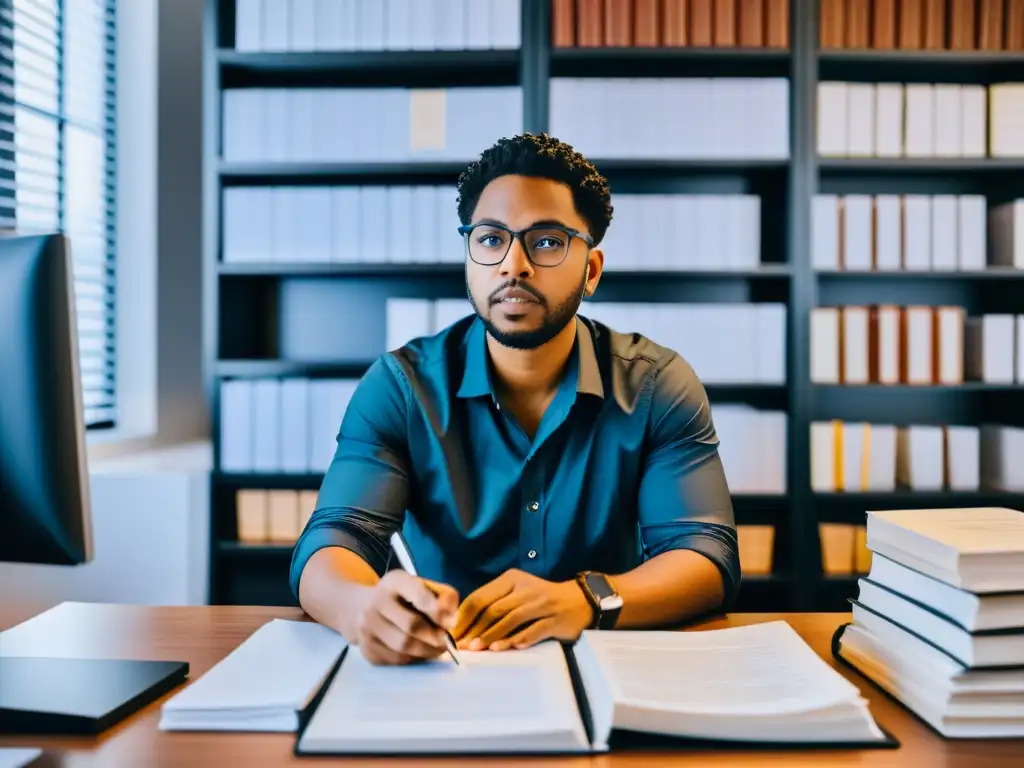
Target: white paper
<point x="18" y="757"/>
<point x="279" y="667"/>
<point x="488" y="695"/>
<point x="761" y="669"/>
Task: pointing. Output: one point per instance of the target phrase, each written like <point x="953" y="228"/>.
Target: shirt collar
<point x="476" y="377"/>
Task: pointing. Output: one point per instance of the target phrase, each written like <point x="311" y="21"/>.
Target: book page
<point x="486" y="696"/>
<point x="761" y="669"/>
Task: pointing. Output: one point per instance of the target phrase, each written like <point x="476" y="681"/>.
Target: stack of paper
<point x="262" y="685"/>
<point x="939" y="621"/>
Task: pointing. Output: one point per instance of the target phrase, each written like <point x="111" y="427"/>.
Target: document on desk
<point x="262" y="685"/>
<point x="490" y="702"/>
<point x="18" y="757"/>
<point x="760" y="683"/>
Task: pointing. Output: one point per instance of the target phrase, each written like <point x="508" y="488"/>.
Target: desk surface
<point x="204" y="635"/>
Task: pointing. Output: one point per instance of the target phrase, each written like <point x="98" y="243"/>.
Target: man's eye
<point x="548" y="242"/>
<point x="489" y="241"/>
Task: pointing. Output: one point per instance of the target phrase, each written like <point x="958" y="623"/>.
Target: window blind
<point x="57" y="140"/>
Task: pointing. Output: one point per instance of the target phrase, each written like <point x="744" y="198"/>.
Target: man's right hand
<point x="390" y="626"/>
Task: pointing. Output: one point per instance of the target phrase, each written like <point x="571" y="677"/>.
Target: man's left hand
<point x="518" y="609"/>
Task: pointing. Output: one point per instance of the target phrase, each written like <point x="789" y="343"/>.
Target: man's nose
<point x="516" y="262"/>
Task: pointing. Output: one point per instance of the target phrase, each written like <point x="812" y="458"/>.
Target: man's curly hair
<point x="540" y="156"/>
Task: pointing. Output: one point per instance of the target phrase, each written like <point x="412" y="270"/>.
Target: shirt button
<point x="531" y="554"/>
<point x="534" y="506"/>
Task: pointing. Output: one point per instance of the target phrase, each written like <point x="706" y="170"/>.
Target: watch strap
<point x="596" y="586"/>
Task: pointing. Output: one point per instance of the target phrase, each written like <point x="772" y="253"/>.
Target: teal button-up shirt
<point x="623" y="467"/>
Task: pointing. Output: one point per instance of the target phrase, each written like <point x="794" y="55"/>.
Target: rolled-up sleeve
<point x="684" y="500"/>
<point x="364" y="493"/>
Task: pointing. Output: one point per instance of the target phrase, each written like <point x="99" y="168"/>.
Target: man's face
<point x="524" y="305"/>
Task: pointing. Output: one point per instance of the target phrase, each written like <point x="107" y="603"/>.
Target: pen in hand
<point x="405" y="560"/>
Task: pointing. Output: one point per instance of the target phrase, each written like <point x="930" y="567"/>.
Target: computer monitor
<point x="44" y="494"/>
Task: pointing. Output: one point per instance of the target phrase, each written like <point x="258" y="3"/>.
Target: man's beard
<point x="555" y="320"/>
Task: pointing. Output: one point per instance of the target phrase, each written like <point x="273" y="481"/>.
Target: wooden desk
<point x="203" y="636"/>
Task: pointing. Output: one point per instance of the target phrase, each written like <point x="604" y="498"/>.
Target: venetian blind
<point x="57" y="134"/>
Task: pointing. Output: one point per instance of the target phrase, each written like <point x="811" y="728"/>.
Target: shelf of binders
<point x="425" y="171"/>
<point x="995" y="273"/>
<point x="639" y="61"/>
<point x="239" y="66"/>
<point x="420" y="171"/>
<point x="271" y="368"/>
<point x="906" y="65"/>
<point x="752" y="508"/>
<point x="912" y="390"/>
<point x="766" y="272"/>
<point x="920" y="166"/>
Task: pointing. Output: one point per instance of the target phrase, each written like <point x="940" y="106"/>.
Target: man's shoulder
<point x="430" y="360"/>
<point x="637" y="364"/>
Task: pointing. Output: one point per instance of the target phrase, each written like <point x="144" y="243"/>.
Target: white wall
<point x="151" y="535"/>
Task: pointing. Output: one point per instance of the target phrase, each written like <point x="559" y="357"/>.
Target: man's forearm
<point x="333" y="581"/>
<point x="668" y="589"/>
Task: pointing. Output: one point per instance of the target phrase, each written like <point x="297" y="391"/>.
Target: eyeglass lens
<point x="546" y="247"/>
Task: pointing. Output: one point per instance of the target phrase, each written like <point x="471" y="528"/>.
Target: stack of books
<point x="939" y="620"/>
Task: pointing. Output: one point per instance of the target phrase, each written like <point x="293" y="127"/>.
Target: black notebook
<point x="758" y="685"/>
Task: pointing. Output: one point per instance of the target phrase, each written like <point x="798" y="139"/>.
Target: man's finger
<point x="511" y="622"/>
<point x="421" y="638"/>
<point x="447" y="601"/>
<point x="378" y="653"/>
<point x="542" y="629"/>
<point x="477" y="601"/>
<point x="488" y="617"/>
<point x="418" y="594"/>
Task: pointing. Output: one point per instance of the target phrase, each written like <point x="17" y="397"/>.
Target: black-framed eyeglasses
<point x="546" y="245"/>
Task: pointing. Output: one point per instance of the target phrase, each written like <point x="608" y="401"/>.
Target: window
<point x="57" y="132"/>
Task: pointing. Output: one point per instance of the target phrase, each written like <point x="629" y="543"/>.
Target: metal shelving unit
<point x="253" y="291"/>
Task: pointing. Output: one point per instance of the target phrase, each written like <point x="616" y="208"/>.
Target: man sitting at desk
<point x="549" y="465"/>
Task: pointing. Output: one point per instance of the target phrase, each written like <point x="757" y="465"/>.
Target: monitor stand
<point x="57" y="696"/>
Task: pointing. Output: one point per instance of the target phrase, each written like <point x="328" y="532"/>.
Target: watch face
<point x="600" y="586"/>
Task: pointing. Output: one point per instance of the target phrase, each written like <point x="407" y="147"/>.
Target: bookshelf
<point x="258" y="324"/>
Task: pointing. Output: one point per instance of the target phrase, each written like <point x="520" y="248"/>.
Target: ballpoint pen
<point x="405" y="560"/>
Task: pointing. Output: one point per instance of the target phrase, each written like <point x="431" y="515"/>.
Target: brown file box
<point x="725" y="23"/>
<point x="590" y="23"/>
<point x="675" y="26"/>
<point x="858" y="24"/>
<point x="1014" y="27"/>
<point x="702" y="23"/>
<point x="990" y="24"/>
<point x="252" y="516"/>
<point x="934" y="25"/>
<point x="563" y="23"/>
<point x="756" y="544"/>
<point x="283" y="508"/>
<point x="751" y="23"/>
<point x="837" y="548"/>
<point x="962" y="25"/>
<point x="910" y="27"/>
<point x="618" y="23"/>
<point x="647" y="24"/>
<point x="776" y="29"/>
<point x="831" y="24"/>
<point x="883" y="24"/>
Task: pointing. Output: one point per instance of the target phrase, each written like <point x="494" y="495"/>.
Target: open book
<point x="760" y="683"/>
